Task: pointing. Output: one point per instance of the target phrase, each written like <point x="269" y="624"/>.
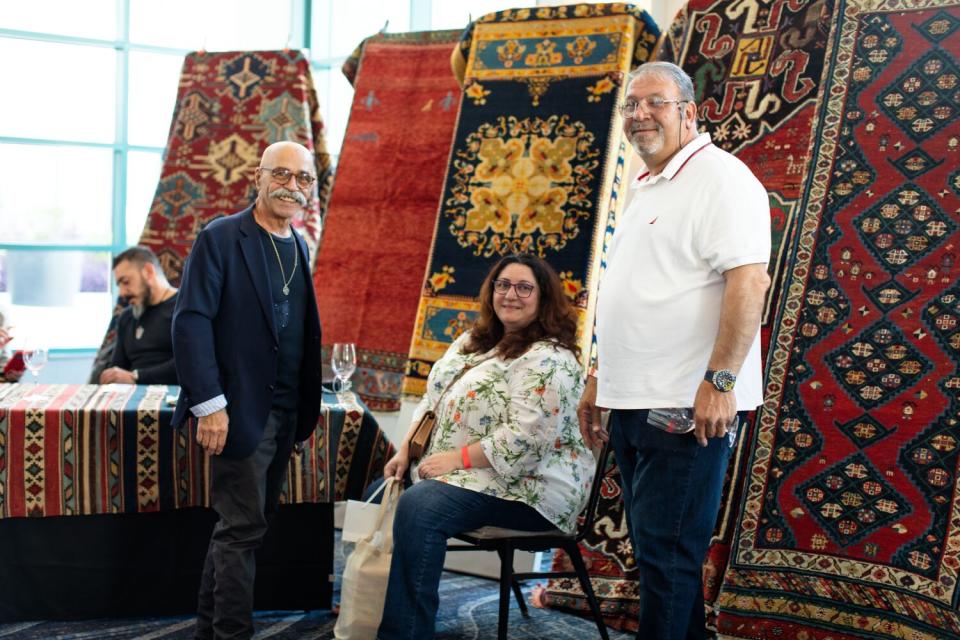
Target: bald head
<point x="285" y="182"/>
<point x="283" y="150"/>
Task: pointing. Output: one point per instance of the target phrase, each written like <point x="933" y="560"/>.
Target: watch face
<point x="724" y="380"/>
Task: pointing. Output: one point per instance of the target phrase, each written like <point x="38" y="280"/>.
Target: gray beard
<point x="138" y="310"/>
<point x="651" y="147"/>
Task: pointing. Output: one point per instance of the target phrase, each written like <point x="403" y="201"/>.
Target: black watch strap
<point x="722" y="379"/>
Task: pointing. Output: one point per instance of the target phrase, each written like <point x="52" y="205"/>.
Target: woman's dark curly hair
<point x="555" y="319"/>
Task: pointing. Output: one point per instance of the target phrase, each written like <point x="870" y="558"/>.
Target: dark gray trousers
<point x="244" y="493"/>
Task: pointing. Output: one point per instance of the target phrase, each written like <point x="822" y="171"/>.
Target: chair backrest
<point x="590" y="511"/>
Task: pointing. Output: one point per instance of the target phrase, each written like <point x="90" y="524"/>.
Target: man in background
<point x="144" y="350"/>
<point x="246" y="337"/>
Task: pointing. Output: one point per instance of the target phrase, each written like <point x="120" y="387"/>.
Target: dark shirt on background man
<point x="145" y="344"/>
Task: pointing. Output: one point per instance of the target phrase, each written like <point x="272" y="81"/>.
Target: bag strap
<point x="379" y="490"/>
<point x="378" y="537"/>
<point x="392" y="494"/>
<point x="382" y="536"/>
<point x="459" y="375"/>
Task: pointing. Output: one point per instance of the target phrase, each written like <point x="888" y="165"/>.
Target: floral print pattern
<point x="523" y="413"/>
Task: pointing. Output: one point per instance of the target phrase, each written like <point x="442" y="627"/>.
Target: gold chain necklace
<point x="286" y="283"/>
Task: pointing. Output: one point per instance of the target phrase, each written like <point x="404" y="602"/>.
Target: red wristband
<point x="465" y="456"/>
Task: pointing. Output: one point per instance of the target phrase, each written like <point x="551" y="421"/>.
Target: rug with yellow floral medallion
<point x="537" y="163"/>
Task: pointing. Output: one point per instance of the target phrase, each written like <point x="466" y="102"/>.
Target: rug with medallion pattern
<point x="849" y="524"/>
<point x="537" y="160"/>
<point x="230" y="107"/>
<point x="384" y="203"/>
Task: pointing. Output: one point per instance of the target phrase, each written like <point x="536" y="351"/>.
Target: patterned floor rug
<point x="468" y="611"/>
<point x="379" y="225"/>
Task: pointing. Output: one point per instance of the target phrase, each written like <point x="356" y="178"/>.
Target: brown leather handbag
<point x="420" y="439"/>
<point x="421" y="434"/>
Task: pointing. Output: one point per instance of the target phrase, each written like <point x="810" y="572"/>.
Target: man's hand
<point x="439" y="464"/>
<point x="5" y="337"/>
<point x="397" y="465"/>
<point x="713" y="412"/>
<point x="212" y="432"/>
<point x="588" y="413"/>
<point x="117" y="375"/>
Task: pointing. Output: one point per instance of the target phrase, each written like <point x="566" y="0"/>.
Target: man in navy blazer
<point x="246" y="341"/>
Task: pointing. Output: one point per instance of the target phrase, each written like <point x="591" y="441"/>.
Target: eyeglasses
<point x="282" y="176"/>
<point x="524" y="289"/>
<point x="649" y="105"/>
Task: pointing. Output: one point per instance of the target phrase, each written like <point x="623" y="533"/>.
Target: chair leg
<point x="506" y="577"/>
<point x="573" y="550"/>
<point x="519" y="594"/>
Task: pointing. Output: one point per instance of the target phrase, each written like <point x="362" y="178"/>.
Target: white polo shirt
<point x="658" y="308"/>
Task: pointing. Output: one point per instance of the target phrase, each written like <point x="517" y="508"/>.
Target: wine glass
<point x="343" y="361"/>
<point x="34" y="359"/>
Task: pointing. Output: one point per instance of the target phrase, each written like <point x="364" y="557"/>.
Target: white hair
<point x="666" y="71"/>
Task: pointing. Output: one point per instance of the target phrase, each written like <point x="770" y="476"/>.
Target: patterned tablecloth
<point x="88" y="449"/>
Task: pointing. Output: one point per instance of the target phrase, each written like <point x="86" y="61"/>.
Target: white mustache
<point x="296" y="195"/>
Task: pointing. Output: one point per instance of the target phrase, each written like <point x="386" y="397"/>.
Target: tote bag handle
<point x="382" y="534"/>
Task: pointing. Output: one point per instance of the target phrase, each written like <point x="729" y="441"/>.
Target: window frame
<point x="300" y="35"/>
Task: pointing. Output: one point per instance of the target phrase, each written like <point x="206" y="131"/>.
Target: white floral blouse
<point x="523" y="412"/>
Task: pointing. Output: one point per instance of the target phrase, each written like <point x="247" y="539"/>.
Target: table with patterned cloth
<point x="104" y="505"/>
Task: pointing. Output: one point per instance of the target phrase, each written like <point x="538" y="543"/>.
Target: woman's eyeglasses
<point x="524" y="289"/>
<point x="282" y="176"/>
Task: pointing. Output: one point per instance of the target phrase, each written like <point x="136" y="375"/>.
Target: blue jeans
<point x="428" y="513"/>
<point x="671" y="493"/>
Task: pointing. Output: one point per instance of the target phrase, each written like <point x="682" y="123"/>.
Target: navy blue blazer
<point x="225" y="338"/>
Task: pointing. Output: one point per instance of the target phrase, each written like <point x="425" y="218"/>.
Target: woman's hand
<point x="397" y="465"/>
<point x="439" y="464"/>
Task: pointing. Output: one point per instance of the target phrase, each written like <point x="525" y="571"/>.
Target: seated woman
<point x="506" y="450"/>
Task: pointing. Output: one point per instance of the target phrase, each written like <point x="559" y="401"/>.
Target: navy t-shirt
<point x="289" y="314"/>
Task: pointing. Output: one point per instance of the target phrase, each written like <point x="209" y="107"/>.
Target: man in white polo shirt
<point x="677" y="326"/>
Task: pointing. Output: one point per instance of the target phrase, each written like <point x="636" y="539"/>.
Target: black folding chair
<point x="506" y="541"/>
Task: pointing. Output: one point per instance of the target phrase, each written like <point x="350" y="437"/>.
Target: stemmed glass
<point x="34" y="359"/>
<point x="343" y="361"/>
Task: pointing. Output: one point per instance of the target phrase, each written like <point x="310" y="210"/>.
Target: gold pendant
<point x="286" y="290"/>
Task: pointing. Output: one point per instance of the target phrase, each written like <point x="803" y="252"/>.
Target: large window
<point x="89" y="91"/>
<point x="82" y="131"/>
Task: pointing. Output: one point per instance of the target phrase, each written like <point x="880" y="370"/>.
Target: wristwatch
<point x="136" y="376"/>
<point x="722" y="379"/>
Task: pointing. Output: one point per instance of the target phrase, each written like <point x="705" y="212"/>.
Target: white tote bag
<point x="360" y="517"/>
<point x="364" y="586"/>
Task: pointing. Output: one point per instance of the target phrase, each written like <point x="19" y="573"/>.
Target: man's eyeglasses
<point x="649" y="106"/>
<point x="524" y="289"/>
<point x="282" y="176"/>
